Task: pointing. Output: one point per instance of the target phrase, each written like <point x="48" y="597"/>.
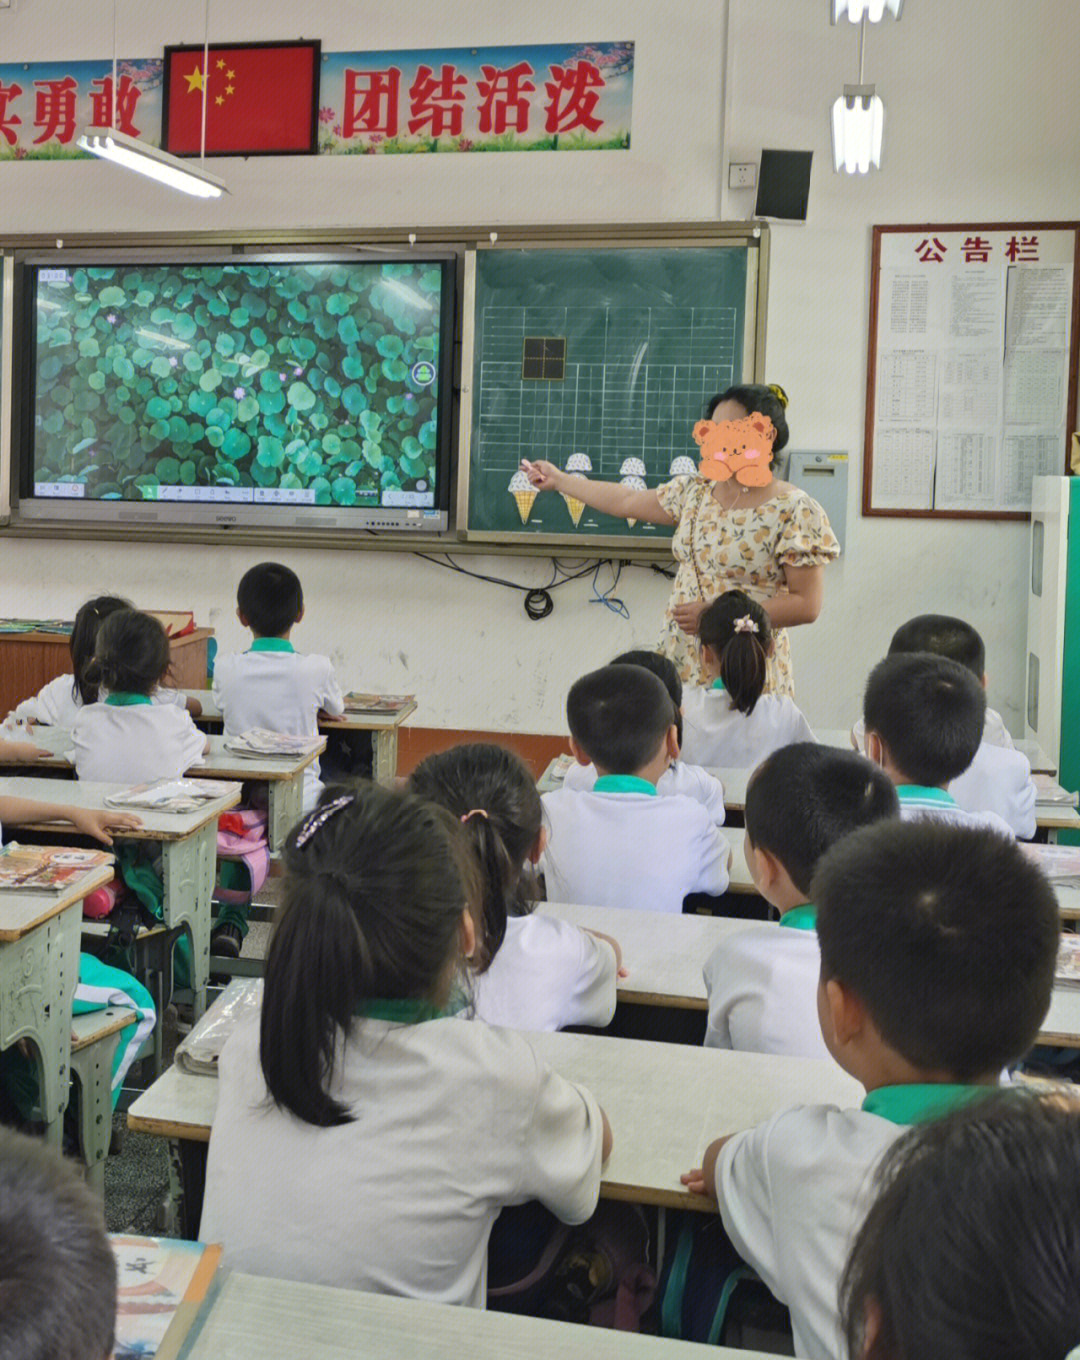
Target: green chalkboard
<point x="603" y="355"/>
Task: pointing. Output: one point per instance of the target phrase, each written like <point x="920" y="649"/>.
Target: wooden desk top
<point x="218" y="763"/>
<point x="661" y="1127"/>
<point x="94" y="1025"/>
<point x="20" y="912"/>
<point x="266" y="1319"/>
<point x="156" y="826"/>
<point x="351" y="722"/>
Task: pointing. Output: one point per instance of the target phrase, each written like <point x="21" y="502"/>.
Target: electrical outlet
<point x="742" y="176"/>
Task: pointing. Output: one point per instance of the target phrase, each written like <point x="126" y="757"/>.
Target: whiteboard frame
<point x="753" y="235"/>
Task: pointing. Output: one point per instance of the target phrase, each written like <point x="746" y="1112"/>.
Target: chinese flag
<point x="261" y="98"/>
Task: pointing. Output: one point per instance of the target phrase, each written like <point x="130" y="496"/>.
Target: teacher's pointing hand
<point x="544" y="476"/>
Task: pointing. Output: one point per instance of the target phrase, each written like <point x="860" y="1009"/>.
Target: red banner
<point x="261" y="99"/>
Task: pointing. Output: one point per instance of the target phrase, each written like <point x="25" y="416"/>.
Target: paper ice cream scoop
<point x="682" y="467"/>
<point x="633" y="484"/>
<point x="632" y="467"/>
<point x="524" y="494"/>
<point x="577" y="465"/>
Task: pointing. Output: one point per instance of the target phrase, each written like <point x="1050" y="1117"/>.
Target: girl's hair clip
<point x="475" y="812"/>
<point x="320" y="817"/>
<point x="746" y="625"/>
<point x="780" y="395"/>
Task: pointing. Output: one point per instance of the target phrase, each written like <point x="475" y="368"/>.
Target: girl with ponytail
<point x="364" y="1137"/>
<point x="533" y="972"/>
<point x="731" y="721"/>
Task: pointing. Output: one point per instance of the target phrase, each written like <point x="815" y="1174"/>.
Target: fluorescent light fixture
<point x="856" y="10"/>
<point x="135" y="155"/>
<point x="858" y="118"/>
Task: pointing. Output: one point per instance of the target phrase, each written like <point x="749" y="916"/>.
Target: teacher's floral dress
<point x="719" y="550"/>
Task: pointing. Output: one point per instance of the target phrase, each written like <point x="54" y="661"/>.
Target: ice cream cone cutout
<point x="632" y="476"/>
<point x="577" y="465"/>
<point x="524" y="494"/>
<point x="742" y="449"/>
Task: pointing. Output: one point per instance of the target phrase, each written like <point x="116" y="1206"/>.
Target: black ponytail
<point x="373" y="903"/>
<point x="494" y="795"/>
<point x="83" y="640"/>
<point x="741" y="653"/>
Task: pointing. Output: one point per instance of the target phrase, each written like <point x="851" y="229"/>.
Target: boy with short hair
<point x="762" y="982"/>
<point x="619" y="845"/>
<point x="999" y="777"/>
<point x="923" y="716"/>
<point x="272" y="686"/>
<point x="57" y="1270"/>
<point x="938" y="946"/>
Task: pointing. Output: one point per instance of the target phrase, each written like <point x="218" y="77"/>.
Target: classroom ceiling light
<point x="856" y="10"/>
<point x="858" y="118"/>
<point x="151" y="161"/>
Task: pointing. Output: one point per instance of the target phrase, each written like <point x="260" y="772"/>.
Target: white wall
<point x="981" y="103"/>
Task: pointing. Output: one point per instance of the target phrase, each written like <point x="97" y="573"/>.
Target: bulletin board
<point x="598" y="357"/>
<point x="972" y="367"/>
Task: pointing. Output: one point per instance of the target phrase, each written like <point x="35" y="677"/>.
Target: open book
<point x="1067" y="972"/>
<point x="46" y="868"/>
<point x="161" y="1283"/>
<point x="259" y="741"/>
<point x="173" y="795"/>
<point x="199" y="1051"/>
<point x="356" y="701"/>
<point x="1049" y="793"/>
<point x="1060" y="863"/>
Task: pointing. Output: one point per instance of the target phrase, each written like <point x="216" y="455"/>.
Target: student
<point x="732" y="721"/>
<point x="923" y="717"/>
<point x="621" y="845"/>
<point x="532" y="972"/>
<point x="363" y="1137"/>
<point x="762" y="982"/>
<point x="938" y="946"/>
<point x="272" y="685"/>
<point x="999" y="777"/>
<point x="679" y="777"/>
<point x="57" y="1269"/>
<point x="972" y="1249"/>
<point x="127" y="738"/>
<point x="57" y="704"/>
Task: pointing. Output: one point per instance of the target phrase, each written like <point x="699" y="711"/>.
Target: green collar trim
<point x="409" y="1010"/>
<point x="719" y="684"/>
<point x="623" y="783"/>
<point x="121" y="699"/>
<point x="271" y="645"/>
<point x="920" y="793"/>
<point x="917" y="1103"/>
<point x="801" y="918"/>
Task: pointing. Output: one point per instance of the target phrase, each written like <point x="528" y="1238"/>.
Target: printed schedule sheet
<point x="971" y="368"/>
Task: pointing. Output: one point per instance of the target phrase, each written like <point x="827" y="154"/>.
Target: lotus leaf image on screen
<point x="285" y="383"/>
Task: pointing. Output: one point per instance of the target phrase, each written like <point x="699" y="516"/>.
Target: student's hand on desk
<point x="98" y="824"/>
<point x="22" y="750"/>
<point x="620" y="970"/>
<point x="702" y="1179"/>
<point x="688" y="616"/>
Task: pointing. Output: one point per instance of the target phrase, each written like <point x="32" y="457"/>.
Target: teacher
<point x="736" y="528"/>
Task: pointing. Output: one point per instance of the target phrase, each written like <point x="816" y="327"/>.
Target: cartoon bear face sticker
<point x="742" y="449"/>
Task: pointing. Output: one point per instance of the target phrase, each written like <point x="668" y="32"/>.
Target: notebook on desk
<point x="161" y="1283"/>
<point x="356" y="701"/>
<point x="46" y="868"/>
<point x="172" y="795"/>
<point x="260" y="741"/>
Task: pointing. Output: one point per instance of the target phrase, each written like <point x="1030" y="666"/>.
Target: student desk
<point x="282" y="775"/>
<point x="39" y="967"/>
<point x="248" y="1317"/>
<point x="1039" y="761"/>
<point x="188" y="843"/>
<point x="382" y="726"/>
<point x="664" y="955"/>
<point x="665" y="1102"/>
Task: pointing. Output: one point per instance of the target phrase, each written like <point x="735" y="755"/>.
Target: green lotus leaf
<point x="86" y="401"/>
<point x="123" y="368"/>
<point x="414" y="467"/>
<point x="354" y="401"/>
<point x="50" y="367"/>
<point x="160" y="429"/>
<point x="217" y="417"/>
<point x="272" y="403"/>
<point x="371" y="382"/>
<point x="79" y="281"/>
<point x="178" y="429"/>
<point x="210" y="380"/>
<point x="184" y="326"/>
<point x="157" y="408"/>
<point x="167" y="388"/>
<point x="253" y="304"/>
<point x="215" y="436"/>
<point x="239" y="316"/>
<point x="270" y="381"/>
<point x="372" y="453"/>
<point x="53" y="422"/>
<point x="193" y="361"/>
<point x="395" y="405"/>
<point x="147" y="481"/>
<point x="325" y="327"/>
<point x="263" y="475"/>
<point x="319" y="420"/>
<point x="389" y="346"/>
<point x="301" y="397"/>
<point x="224" y="343"/>
<point x="112" y="297"/>
<point x="160" y="366"/>
<point x="276" y="425"/>
<point x="303" y="348"/>
<point x="247" y="409"/>
<point x="271" y="451"/>
<point x="289" y="481"/>
<point x="237" y="444"/>
<point x="331" y="386"/>
<point x="256" y="360"/>
<point x="321" y="487"/>
<point x="96" y="382"/>
<point x="428" y="434"/>
<point x="298" y="311"/>
<point x="411" y="447"/>
<point x="89" y="348"/>
<point x="309" y="463"/>
<point x="168" y="470"/>
<point x="257" y="336"/>
<point x="343" y="491"/>
<point x="347" y="331"/>
<point x="394" y="370"/>
<point x="127" y="415"/>
<point x="338" y="304"/>
<point x="217" y="306"/>
<point x="225" y="474"/>
<point x="331" y="444"/>
<point x="201" y="403"/>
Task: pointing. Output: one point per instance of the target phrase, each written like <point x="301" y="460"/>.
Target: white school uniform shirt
<point x="795" y="1190"/>
<point x="716" y="733"/>
<point x="134" y="743"/>
<point x="623" y="846"/>
<point x="918" y="803"/>
<point x="994" y="732"/>
<point x="58" y="703"/>
<point x="999" y="780"/>
<point x="547" y="975"/>
<point x="690" y="780"/>
<point x="275" y="687"/>
<point x="452" y="1122"/>
<point x="762" y="984"/>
